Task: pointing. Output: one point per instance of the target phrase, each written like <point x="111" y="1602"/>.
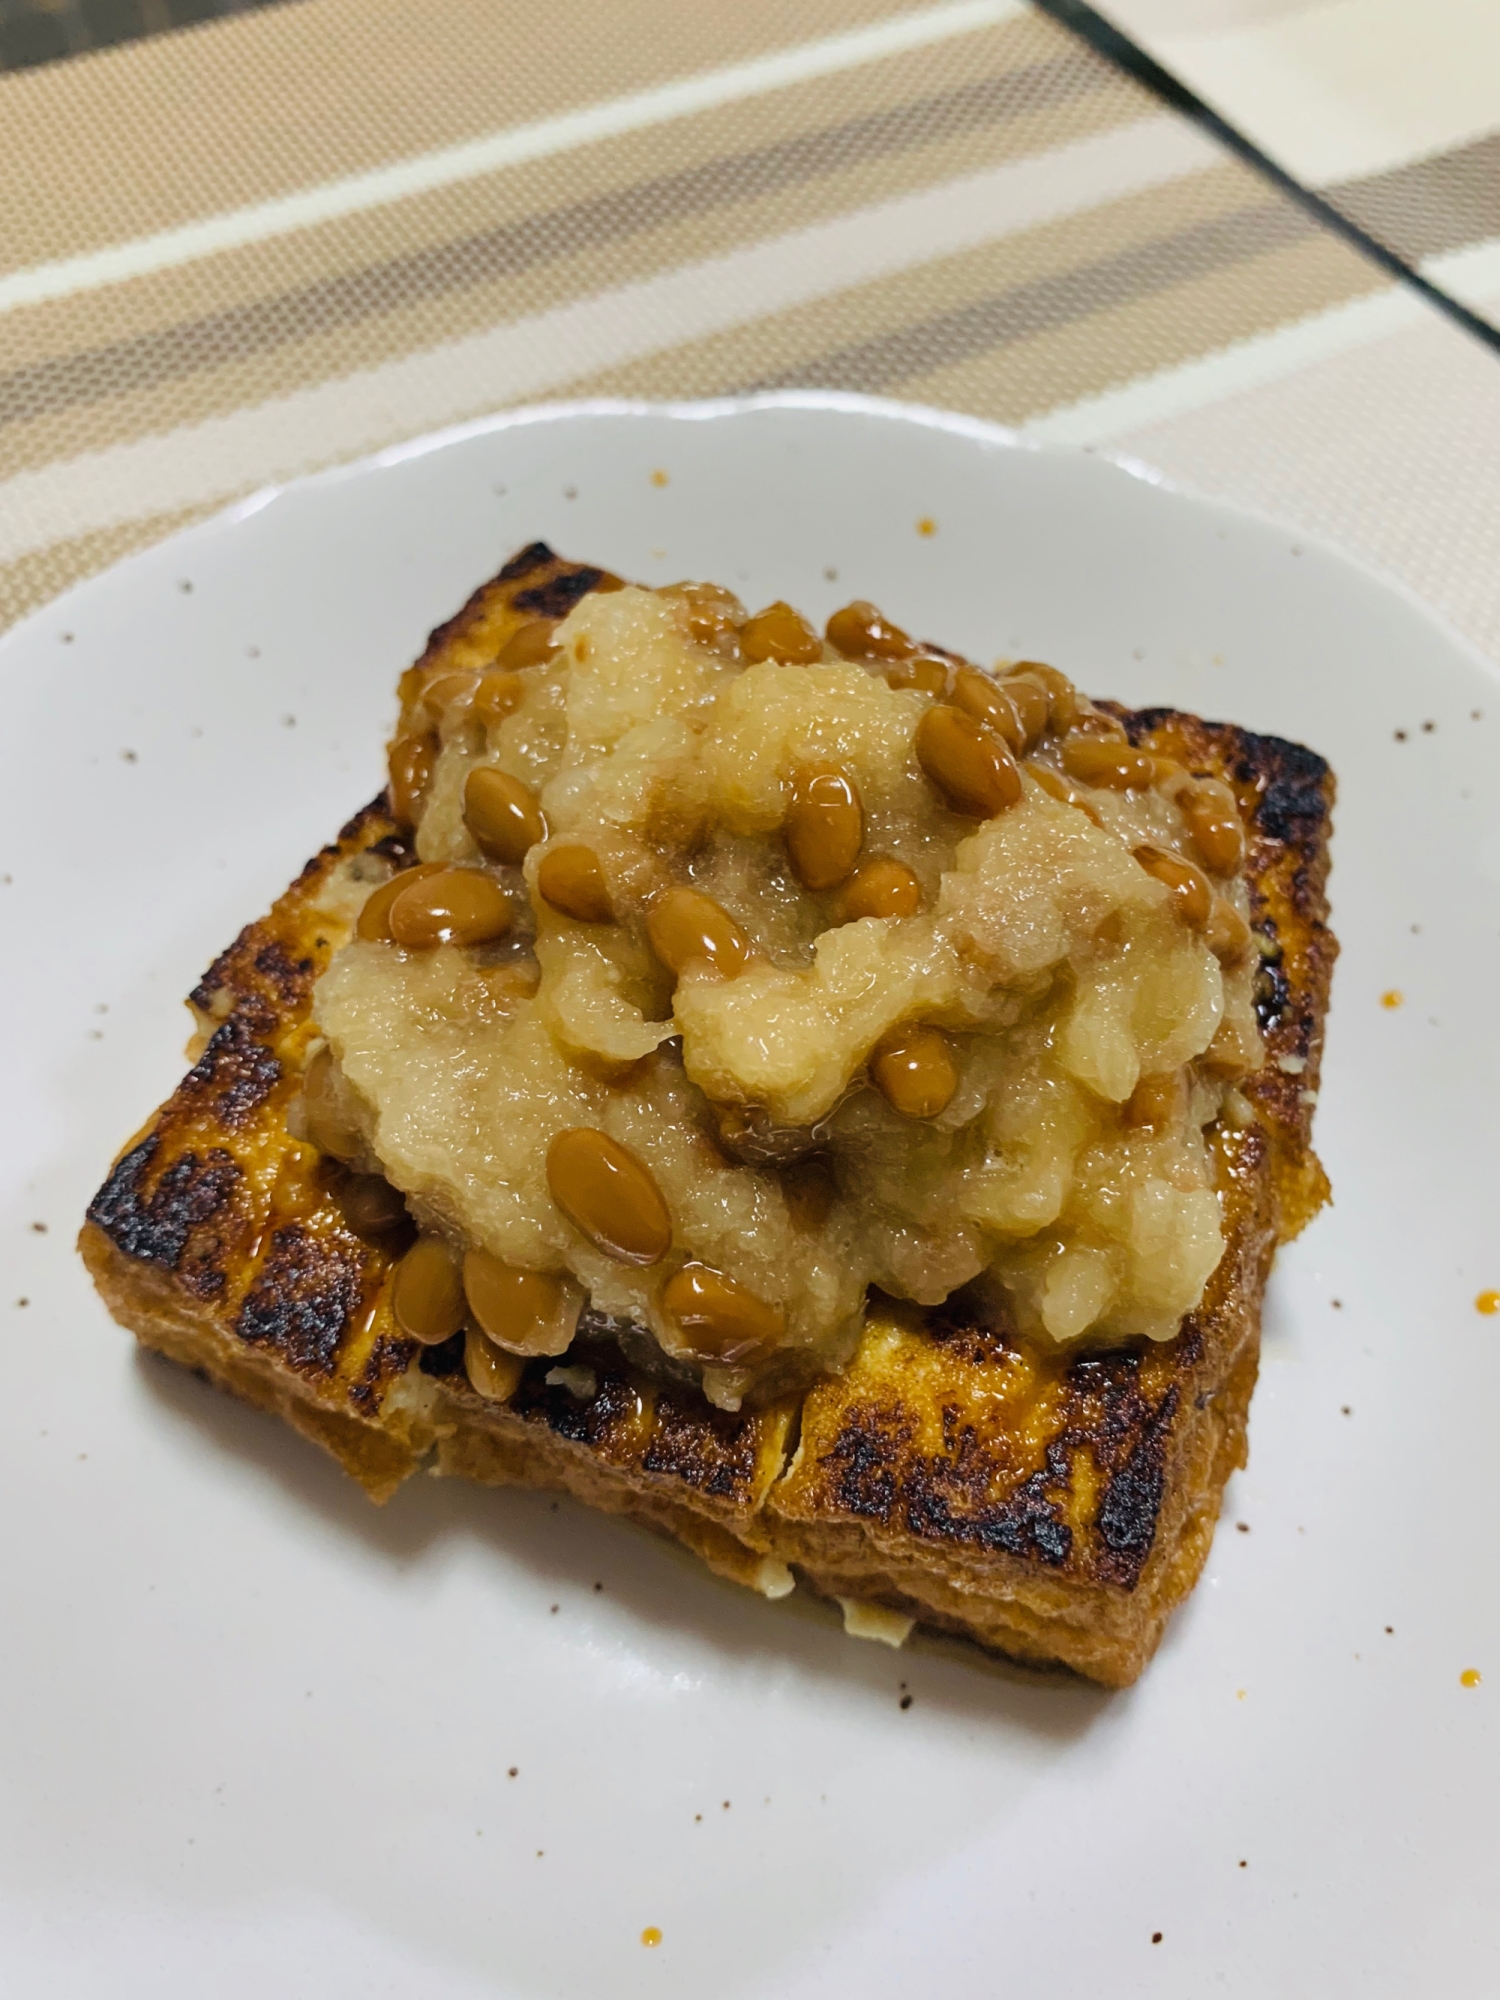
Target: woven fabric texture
<point x="300" y="234"/>
<point x="1390" y="111"/>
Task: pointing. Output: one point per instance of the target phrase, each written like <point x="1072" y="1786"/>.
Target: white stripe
<point x="1333" y="89"/>
<point x="510" y="148"/>
<point x="528" y="357"/>
<point x="1471" y="275"/>
<point x="1153" y="399"/>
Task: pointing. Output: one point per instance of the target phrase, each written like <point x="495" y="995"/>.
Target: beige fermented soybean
<point x="428" y="1295"/>
<point x="845" y="962"/>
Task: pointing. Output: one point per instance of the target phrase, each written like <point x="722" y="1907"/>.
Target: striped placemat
<point x="299" y="233"/>
<point x="1389" y="110"/>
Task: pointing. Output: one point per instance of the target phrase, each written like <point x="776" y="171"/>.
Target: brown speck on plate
<point x="1400" y="735"/>
<point x="1156" y="1937"/>
<point x="906" y="1701"/>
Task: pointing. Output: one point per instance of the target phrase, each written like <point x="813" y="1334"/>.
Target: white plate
<point x="255" y="1736"/>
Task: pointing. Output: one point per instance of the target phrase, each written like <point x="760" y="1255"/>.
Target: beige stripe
<point x="422" y="322"/>
<point x="529" y="357"/>
<point x="996" y="292"/>
<point x="1014" y="382"/>
<point x="1047" y="94"/>
<point x="544" y="138"/>
<point x="758" y="181"/>
<point x="274" y="101"/>
<point x="1429" y="206"/>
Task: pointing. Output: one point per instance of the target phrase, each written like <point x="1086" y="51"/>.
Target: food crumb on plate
<point x="1487" y="1302"/>
<point x="1470" y="1677"/>
<point x="1392" y="997"/>
<point x="651" y="1937"/>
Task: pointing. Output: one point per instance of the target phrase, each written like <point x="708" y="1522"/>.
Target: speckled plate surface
<point x="259" y="1737"/>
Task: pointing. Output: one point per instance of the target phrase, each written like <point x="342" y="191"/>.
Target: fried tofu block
<point x="1050" y="1503"/>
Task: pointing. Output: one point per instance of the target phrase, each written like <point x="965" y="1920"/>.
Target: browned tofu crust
<point x="1053" y="1504"/>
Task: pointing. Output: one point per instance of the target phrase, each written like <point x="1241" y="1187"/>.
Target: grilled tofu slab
<point x="1050" y="1503"/>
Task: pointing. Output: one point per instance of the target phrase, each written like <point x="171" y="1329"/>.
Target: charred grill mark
<point x="972" y="1493"/>
<point x="593" y="1420"/>
<point x="353" y="833"/>
<point x="156" y="1227"/>
<point x="389" y="1358"/>
<point x="1026" y="1523"/>
<point x="864" y="1459"/>
<point x="1109" y="1384"/>
<point x="557" y="596"/>
<point x="704" y="1448"/>
<point x="233" y="1077"/>
<point x="1273" y="989"/>
<point x="306" y="1293"/>
<point x="221" y="973"/>
<point x="1128" y="1513"/>
<point x="261" y="977"/>
<point x="291" y="979"/>
<point x="535" y="555"/>
<point x="1294" y="781"/>
<point x="552" y="597"/>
